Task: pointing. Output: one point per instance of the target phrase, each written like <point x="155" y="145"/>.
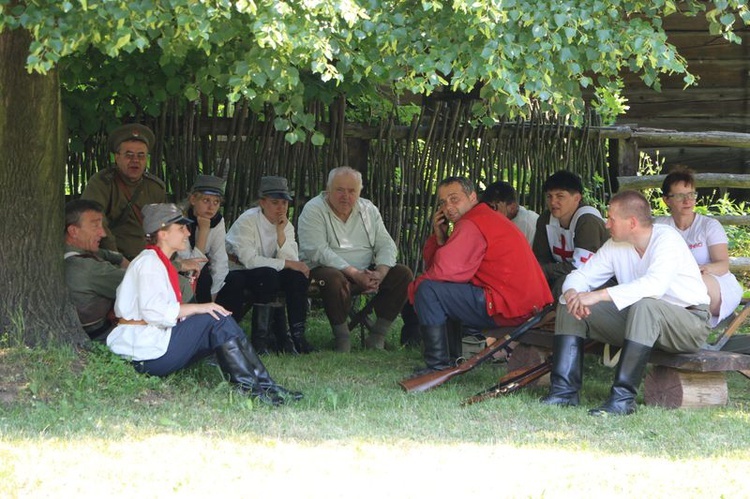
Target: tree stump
<point x="527" y="356"/>
<point x="674" y="388"/>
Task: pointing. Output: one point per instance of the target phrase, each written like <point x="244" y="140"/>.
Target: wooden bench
<point x="673" y="381"/>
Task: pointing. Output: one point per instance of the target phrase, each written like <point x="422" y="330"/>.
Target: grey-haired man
<point x="347" y="247"/>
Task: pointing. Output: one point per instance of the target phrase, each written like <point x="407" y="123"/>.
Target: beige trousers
<point x="649" y="322"/>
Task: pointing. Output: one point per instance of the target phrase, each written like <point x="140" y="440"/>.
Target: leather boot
<point x="284" y="343"/>
<point x="234" y="363"/>
<point x="267" y="384"/>
<point x="628" y="375"/>
<point x="298" y="337"/>
<point x="435" y="353"/>
<point x="567" y="368"/>
<point x="342" y="337"/>
<point x="261" y="328"/>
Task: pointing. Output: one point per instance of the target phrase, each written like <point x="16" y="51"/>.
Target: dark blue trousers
<point x="192" y="339"/>
<point x="437" y="301"/>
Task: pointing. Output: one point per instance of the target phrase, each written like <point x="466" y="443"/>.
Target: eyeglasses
<point x="130" y="156"/>
<point x="683" y="196"/>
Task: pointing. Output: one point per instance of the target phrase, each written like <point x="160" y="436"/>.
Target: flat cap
<point x="208" y="184"/>
<point x="131" y="131"/>
<point x="157" y="216"/>
<point x="274" y="187"/>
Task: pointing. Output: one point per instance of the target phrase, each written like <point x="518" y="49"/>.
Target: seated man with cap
<point x="344" y="241"/>
<point x="92" y="274"/>
<point x="123" y="189"/>
<point x="265" y="260"/>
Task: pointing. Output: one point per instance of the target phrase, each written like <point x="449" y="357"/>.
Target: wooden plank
<point x="689" y="123"/>
<point x="701" y="180"/>
<point x="700" y="44"/>
<point x="702" y="361"/>
<point x="710" y="73"/>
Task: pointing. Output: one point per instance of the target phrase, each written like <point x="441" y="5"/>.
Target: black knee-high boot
<point x="261" y="373"/>
<point x="233" y="361"/>
<point x="284" y="342"/>
<point x="567" y="367"/>
<point x="435" y="353"/>
<point x="298" y="336"/>
<point x="261" y="328"/>
<point x="630" y="369"/>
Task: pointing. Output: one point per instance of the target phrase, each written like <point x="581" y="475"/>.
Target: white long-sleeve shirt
<point x="252" y="239"/>
<point x="667" y="271"/>
<point x="327" y="241"/>
<point x="216" y="254"/>
<point x="144" y="294"/>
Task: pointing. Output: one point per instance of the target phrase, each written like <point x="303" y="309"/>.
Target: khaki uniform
<point x="92" y="280"/>
<point x="122" y="219"/>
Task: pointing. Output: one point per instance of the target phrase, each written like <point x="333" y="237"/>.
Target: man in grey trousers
<point x="660" y="301"/>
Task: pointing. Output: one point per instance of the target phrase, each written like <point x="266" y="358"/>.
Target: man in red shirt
<point x="482" y="273"/>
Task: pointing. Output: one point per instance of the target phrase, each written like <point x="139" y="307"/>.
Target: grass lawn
<point x="86" y="424"/>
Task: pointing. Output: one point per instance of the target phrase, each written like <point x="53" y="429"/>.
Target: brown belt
<point x="131" y="322"/>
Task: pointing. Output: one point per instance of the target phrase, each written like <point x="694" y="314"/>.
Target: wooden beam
<point x="701" y="180"/>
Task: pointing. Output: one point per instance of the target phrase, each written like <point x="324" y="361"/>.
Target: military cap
<point x="158" y="216"/>
<point x="274" y="187"/>
<point x="208" y="184"/>
<point x="131" y="131"/>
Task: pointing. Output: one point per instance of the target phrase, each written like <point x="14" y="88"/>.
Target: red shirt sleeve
<point x="457" y="260"/>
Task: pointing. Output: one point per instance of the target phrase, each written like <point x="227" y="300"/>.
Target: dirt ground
<point x="12" y="380"/>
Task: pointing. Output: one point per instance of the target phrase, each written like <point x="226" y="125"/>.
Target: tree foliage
<point x="285" y="53"/>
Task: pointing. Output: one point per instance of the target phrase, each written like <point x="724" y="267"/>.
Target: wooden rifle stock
<point x="432" y="379"/>
<point x="515" y="380"/>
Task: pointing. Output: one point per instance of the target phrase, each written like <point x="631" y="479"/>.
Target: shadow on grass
<point x="349" y="397"/>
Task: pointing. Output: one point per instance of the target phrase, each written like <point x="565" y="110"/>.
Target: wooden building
<point x="719" y="102"/>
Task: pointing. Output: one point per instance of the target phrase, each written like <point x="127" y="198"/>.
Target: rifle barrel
<point x="430" y="380"/>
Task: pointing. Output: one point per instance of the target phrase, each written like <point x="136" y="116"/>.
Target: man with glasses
<point x="123" y="189"/>
<point x="344" y="242"/>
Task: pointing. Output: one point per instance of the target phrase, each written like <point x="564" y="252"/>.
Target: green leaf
<point x="318" y="139"/>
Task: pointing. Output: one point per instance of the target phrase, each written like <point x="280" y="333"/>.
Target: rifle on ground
<point x="432" y="379"/>
<point x="515" y="380"/>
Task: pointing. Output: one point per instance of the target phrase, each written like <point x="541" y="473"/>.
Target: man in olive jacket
<point x="123" y="189"/>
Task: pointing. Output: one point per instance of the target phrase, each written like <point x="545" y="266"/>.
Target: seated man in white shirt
<point x="660" y="301"/>
<point x="502" y="197"/>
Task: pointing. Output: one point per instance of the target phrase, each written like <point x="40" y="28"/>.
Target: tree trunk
<point x="34" y="305"/>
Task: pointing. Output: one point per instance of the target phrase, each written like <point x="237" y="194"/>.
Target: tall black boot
<point x="261" y="332"/>
<point x="298" y="337"/>
<point x="284" y="343"/>
<point x="234" y="363"/>
<point x="630" y="369"/>
<point x="567" y="368"/>
<point x="435" y="353"/>
<point x="267" y="383"/>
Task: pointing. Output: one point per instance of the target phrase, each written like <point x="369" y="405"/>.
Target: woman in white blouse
<point x="206" y="242"/>
<point x="161" y="335"/>
<point x="706" y="239"/>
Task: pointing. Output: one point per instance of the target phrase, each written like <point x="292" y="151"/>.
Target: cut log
<point x="674" y="388"/>
<point x="527" y="356"/>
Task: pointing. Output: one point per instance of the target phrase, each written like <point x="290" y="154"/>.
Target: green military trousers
<point x="649" y="322"/>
